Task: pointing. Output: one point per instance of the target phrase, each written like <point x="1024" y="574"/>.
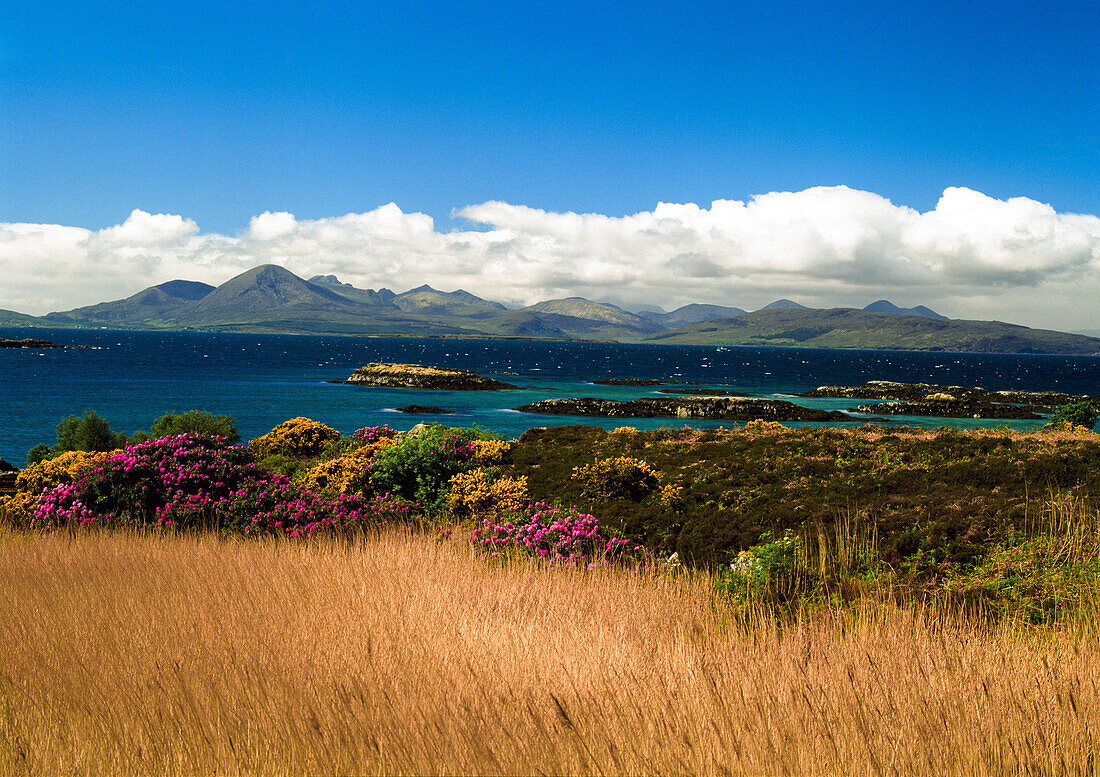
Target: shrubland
<point x="997" y="521"/>
<point x="755" y="600"/>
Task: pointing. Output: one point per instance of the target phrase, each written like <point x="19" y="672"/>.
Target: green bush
<point x="90" y="432"/>
<point x="199" y="421"/>
<point x="1077" y="414"/>
<point x="420" y="467"/>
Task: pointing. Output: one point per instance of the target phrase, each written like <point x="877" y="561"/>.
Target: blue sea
<point x="131" y="378"/>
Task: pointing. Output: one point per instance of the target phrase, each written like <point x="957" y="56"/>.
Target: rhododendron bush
<point x="195" y="481"/>
<point x="551" y="533"/>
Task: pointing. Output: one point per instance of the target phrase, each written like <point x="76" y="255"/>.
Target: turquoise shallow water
<point x="131" y="378"/>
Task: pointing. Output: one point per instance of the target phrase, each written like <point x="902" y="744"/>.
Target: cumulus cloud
<point x="971" y="256"/>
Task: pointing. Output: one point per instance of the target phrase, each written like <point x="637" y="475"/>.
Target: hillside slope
<point x="850" y="328"/>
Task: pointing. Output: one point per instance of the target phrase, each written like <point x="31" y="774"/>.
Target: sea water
<point x="131" y="378"/>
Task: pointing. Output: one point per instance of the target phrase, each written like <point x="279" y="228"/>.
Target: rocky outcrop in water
<point x="714" y="408"/>
<point x="417" y="376"/>
<point x="702" y="392"/>
<point x="29" y="343"/>
<point x="950" y="408"/>
<point x="1033" y="401"/>
<point x="424" y="410"/>
<point x="8" y="474"/>
<point x="628" y="382"/>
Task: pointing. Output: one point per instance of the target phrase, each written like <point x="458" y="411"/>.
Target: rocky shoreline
<point x="424" y="410"/>
<point x="417" y="376"/>
<point x="712" y="408"/>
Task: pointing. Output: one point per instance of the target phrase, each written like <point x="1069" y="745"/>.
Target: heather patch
<point x="553" y="534"/>
<point x="193" y="481"/>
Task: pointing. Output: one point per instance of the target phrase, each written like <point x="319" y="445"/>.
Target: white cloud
<point x="972" y="256"/>
<point x="269" y="226"/>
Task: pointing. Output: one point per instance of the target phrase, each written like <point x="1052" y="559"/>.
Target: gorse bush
<point x="349" y="473"/>
<point x="489" y="452"/>
<point x="483" y="492"/>
<point x="622" y="477"/>
<point x="296" y="437"/>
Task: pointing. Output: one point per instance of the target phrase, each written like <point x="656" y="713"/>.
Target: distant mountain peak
<point x="885" y="306"/>
<point x="784" y="304"/>
<point x="328" y="279"/>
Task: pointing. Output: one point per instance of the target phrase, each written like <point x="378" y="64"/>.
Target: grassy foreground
<point x="395" y="653"/>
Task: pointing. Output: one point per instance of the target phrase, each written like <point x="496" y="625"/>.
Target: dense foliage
<point x="193" y="481"/>
<point x="420" y="467"/>
<point x="197" y="421"/>
<point x="1076" y="414"/>
<point x="933" y="498"/>
<point x="1002" y="520"/>
<point x="89" y="432"/>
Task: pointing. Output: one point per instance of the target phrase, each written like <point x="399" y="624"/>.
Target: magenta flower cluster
<point x="197" y="481"/>
<point x="369" y="434"/>
<point x="551" y="533"/>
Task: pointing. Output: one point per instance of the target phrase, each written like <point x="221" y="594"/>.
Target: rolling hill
<point x="149" y="305"/>
<point x="692" y="314"/>
<point x="851" y="328"/>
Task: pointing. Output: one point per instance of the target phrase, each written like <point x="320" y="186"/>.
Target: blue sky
<point x="933" y="153"/>
<point x="220" y="111"/>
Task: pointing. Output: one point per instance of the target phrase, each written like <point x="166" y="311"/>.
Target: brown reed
<point x="396" y="654"/>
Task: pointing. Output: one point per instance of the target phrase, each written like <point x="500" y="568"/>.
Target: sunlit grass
<point x="127" y="654"/>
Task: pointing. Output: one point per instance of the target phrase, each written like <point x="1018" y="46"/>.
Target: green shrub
<point x="280" y="464"/>
<point x="90" y="432"/>
<point x="1076" y="414"/>
<point x="420" y="466"/>
<point x="199" y="421"/>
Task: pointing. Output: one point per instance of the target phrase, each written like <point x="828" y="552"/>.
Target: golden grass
<point x="122" y="654"/>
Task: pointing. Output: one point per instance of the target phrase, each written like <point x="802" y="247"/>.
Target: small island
<point x="1043" y="401"/>
<point x="703" y="392"/>
<point x="28" y="342"/>
<point x="713" y="408"/>
<point x="946" y="406"/>
<point x="628" y="382"/>
<point x="931" y="400"/>
<point x="417" y="376"/>
<point x="424" y="410"/>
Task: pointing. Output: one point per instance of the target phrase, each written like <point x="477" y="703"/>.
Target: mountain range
<point x="270" y="298"/>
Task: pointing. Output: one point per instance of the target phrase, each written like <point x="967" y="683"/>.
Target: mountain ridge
<point x="270" y="298"/>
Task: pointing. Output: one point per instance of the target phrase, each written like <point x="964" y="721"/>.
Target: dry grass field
<point x="124" y="654"/>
